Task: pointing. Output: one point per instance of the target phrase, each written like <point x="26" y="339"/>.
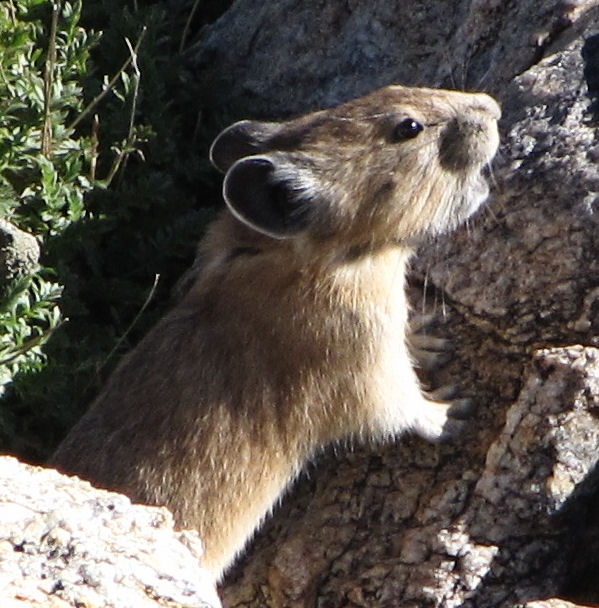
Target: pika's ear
<point x="264" y="201"/>
<point x="244" y="138"/>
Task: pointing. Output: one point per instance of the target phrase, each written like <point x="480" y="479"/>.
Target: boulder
<point x="65" y="544"/>
<point x="19" y="253"/>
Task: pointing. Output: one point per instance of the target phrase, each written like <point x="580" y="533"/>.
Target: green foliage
<point x="40" y="192"/>
<point x="103" y="159"/>
<point x="28" y="313"/>
<point x="34" y="107"/>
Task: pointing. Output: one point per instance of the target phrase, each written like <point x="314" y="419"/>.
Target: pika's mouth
<point x="481" y="182"/>
<point x="480" y="185"/>
<point x="475" y="193"/>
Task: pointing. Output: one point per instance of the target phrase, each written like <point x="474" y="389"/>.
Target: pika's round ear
<point x="244" y="138"/>
<point x="257" y="197"/>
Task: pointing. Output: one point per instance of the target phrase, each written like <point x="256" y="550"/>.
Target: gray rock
<point x="19" y="252"/>
<point x="276" y="59"/>
<point x="550" y="603"/>
<point x="65" y="544"/>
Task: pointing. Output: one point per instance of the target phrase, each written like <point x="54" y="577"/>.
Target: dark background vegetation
<point x="142" y="221"/>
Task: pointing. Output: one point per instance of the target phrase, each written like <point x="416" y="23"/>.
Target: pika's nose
<point x="470" y="138"/>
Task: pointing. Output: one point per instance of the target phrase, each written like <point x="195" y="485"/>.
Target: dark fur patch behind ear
<point x="245" y="138"/>
<point x="265" y="204"/>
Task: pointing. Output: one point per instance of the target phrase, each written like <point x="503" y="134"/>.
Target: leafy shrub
<point x="102" y="158"/>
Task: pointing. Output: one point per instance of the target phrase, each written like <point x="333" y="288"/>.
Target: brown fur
<point x="292" y="335"/>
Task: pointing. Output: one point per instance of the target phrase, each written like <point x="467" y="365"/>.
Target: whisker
<point x="424" y="290"/>
<point x="488" y="209"/>
<point x="485" y="75"/>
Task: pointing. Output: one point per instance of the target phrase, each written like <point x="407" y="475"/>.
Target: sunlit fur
<point x="284" y="345"/>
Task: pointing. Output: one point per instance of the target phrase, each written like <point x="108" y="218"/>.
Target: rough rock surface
<point x="275" y="59"/>
<point x="551" y="603"/>
<point x="504" y="515"/>
<point x="19" y="252"/>
<point x="65" y="544"/>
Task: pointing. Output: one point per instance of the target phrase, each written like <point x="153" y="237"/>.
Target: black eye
<point x="406" y="129"/>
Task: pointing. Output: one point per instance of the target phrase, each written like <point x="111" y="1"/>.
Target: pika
<point x="293" y="334"/>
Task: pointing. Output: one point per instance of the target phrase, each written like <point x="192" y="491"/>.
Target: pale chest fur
<point x="386" y="379"/>
<point x="328" y="341"/>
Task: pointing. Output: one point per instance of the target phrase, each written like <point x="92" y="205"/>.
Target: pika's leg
<point x="441" y="414"/>
<point x="408" y="408"/>
<point x="439" y="420"/>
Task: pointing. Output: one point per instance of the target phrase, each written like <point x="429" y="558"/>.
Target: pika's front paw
<point x="428" y="352"/>
<point x="440" y="421"/>
<point x="458" y="414"/>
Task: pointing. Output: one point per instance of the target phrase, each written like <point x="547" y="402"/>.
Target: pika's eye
<point x="406" y="129"/>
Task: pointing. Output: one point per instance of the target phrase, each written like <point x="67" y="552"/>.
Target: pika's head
<point x="393" y="166"/>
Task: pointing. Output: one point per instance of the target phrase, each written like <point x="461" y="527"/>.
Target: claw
<point x="429" y="351"/>
<point x="430" y="343"/>
<point x="429" y="362"/>
<point x="444" y="393"/>
<point x="462" y="409"/>
<point x="452" y="429"/>
<point x="420" y="322"/>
